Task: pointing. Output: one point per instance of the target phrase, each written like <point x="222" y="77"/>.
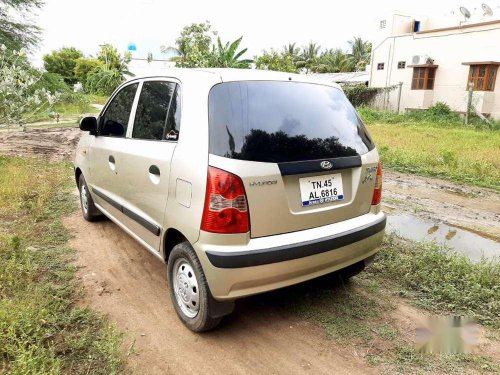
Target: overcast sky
<point x="264" y="24"/>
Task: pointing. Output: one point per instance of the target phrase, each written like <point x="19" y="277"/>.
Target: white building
<point x="435" y="58"/>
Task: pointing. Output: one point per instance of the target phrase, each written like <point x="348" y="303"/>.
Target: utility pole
<point x="469" y="102"/>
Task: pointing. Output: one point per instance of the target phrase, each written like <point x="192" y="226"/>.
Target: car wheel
<point x="89" y="210"/>
<point x="190" y="293"/>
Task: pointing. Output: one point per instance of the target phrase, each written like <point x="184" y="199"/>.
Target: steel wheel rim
<point x="186" y="288"/>
<point x="85" y="198"/>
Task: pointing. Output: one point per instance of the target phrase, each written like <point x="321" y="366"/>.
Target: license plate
<point x="321" y="189"/>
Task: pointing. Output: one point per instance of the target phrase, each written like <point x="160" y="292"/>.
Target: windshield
<point x="275" y="121"/>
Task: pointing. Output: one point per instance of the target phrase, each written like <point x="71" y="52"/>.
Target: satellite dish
<point x="487" y="11"/>
<point x="465" y="12"/>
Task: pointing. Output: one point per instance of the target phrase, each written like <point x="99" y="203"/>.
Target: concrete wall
<point x="449" y="49"/>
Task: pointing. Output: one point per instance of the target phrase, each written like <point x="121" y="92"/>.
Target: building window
<point x="401" y="64"/>
<point x="483" y="77"/>
<point x="423" y="78"/>
<point x="380" y="66"/>
<point x="383" y="24"/>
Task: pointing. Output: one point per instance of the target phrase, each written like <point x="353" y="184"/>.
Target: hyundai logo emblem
<point x="326" y="164"/>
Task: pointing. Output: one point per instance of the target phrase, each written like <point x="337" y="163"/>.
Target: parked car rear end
<point x="243" y="181"/>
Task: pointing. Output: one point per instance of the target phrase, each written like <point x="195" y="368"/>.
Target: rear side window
<point x="152" y="109"/>
<point x="278" y="122"/>
<point x="114" y="121"/>
<point x="174" y="117"/>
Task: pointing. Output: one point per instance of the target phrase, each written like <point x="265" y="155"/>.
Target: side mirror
<point x="89" y="124"/>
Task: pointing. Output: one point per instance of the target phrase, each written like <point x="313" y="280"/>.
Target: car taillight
<point x="377" y="193"/>
<point x="226" y="208"/>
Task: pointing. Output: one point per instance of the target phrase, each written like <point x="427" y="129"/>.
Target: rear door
<point x="146" y="162"/>
<point x="299" y="148"/>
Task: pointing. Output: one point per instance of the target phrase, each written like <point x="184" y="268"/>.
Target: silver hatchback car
<point x="242" y="181"/>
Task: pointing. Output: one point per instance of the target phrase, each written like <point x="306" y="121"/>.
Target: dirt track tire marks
<point x="129" y="285"/>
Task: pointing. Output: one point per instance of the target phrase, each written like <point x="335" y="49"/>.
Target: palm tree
<point x="291" y="50"/>
<point x="309" y="56"/>
<point x="333" y="61"/>
<point x="360" y="53"/>
<point x="226" y="56"/>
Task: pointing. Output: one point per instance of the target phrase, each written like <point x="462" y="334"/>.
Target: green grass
<point x="361" y="314"/>
<point x="42" y="330"/>
<point x="439" y="280"/>
<point x="439" y="149"/>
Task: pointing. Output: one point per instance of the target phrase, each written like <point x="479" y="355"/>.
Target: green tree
<point x="309" y="56"/>
<point x="291" y="50"/>
<point x="21" y="96"/>
<point x="63" y="62"/>
<point x="275" y="61"/>
<point x="227" y="55"/>
<point x="360" y="53"/>
<point x="16" y="30"/>
<point x="84" y="66"/>
<point x="193" y="46"/>
<point x="103" y="81"/>
<point x="113" y="60"/>
<point x="111" y="72"/>
<point x="333" y="61"/>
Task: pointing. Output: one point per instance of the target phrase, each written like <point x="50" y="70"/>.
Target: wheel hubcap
<point x="85" y="198"/>
<point x="186" y="288"/>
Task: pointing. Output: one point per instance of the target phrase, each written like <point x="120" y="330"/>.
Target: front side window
<point x="279" y="122"/>
<point x="483" y="77"/>
<point x="152" y="109"/>
<point x="423" y="78"/>
<point x="114" y="121"/>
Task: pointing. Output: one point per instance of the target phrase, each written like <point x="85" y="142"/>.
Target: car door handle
<point x="153" y="169"/>
<point x="111" y="163"/>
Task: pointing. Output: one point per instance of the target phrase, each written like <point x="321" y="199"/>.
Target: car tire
<point x="89" y="210"/>
<point x="189" y="291"/>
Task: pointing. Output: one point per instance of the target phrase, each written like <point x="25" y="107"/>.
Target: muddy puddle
<point x="464" y="242"/>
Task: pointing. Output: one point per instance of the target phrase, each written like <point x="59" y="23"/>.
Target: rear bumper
<point x="252" y="258"/>
<point x="273" y="262"/>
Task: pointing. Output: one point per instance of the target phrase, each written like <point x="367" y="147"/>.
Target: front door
<point x="106" y="152"/>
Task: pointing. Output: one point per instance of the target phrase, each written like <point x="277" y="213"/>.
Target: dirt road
<point x="128" y="284"/>
<point x="49" y="143"/>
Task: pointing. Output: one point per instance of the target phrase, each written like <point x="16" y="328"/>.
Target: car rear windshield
<point x="276" y="121"/>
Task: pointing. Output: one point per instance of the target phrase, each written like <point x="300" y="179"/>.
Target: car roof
<point x="231" y="75"/>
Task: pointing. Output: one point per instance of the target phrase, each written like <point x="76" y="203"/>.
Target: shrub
<point x="103" y="81"/>
<point x="440" y="109"/>
<point x="85" y="66"/>
<point x="360" y="95"/>
<point x="20" y="99"/>
<point x="52" y="82"/>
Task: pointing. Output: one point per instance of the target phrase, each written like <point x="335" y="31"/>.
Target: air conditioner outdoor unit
<point x="421" y="59"/>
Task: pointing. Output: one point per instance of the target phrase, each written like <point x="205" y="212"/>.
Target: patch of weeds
<point x="361" y="314"/>
<point x="438" y="279"/>
<point x="42" y="331"/>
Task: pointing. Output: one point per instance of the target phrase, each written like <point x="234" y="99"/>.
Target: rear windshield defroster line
<point x="280" y="122"/>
